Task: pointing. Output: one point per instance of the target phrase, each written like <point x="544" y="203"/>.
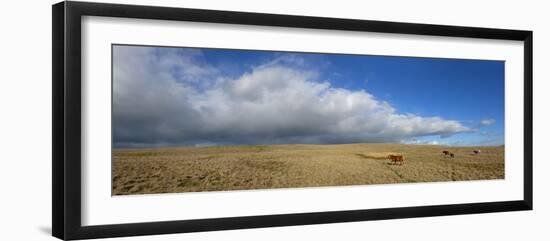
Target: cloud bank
<point x="168" y="96"/>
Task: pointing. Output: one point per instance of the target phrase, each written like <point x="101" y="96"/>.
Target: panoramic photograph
<point x="203" y="119"/>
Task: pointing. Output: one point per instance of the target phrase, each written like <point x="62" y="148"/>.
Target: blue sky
<point x="379" y="98"/>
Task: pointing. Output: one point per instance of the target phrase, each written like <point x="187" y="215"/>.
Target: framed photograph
<point x="172" y="120"/>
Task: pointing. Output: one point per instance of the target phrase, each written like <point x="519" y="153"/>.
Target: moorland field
<point x="221" y="168"/>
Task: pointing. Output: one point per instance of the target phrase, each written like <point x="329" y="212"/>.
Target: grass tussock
<point x="194" y="169"/>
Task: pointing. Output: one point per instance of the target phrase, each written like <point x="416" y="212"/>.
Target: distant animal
<point x="452" y="155"/>
<point x="477" y="151"/>
<point x="396" y="159"/>
<point x="446" y="153"/>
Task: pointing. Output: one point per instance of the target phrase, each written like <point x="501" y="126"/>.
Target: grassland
<point x="193" y="169"/>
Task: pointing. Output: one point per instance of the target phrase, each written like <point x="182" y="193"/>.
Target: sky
<point x="166" y="96"/>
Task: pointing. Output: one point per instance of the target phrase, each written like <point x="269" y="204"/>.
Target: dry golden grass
<point x="193" y="169"/>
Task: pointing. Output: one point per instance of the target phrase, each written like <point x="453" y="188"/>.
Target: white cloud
<point x="173" y="97"/>
<point x="423" y="142"/>
<point x="487" y="122"/>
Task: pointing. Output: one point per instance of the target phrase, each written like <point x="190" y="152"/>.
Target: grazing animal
<point x="396" y="159"/>
<point x="446" y="153"/>
<point x="477" y="151"/>
<point x="452" y="155"/>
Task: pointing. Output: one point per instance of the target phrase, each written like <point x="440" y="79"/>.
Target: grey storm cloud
<point x="169" y="96"/>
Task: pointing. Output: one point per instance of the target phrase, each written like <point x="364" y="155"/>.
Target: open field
<point x="192" y="169"/>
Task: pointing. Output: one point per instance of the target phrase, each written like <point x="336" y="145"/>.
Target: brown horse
<point x="446" y="153"/>
<point x="396" y="159"/>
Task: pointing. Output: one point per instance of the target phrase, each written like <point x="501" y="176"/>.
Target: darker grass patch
<point x="187" y="182"/>
<point x="207" y="157"/>
<point x="370" y="157"/>
<point x="137" y="154"/>
<point x="259" y="148"/>
<point x="271" y="166"/>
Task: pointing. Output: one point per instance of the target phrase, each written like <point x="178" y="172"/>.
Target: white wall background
<point x="25" y="123"/>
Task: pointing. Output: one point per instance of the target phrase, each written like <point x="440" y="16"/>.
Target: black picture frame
<point x="66" y="128"/>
